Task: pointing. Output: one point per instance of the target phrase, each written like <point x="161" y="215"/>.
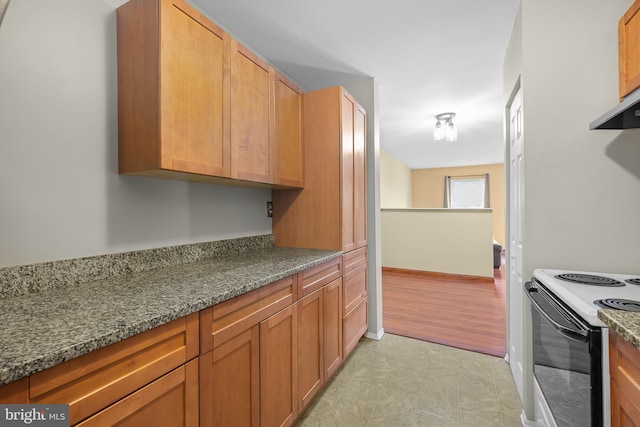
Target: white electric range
<point x="569" y="286"/>
<point x="570" y="344"/>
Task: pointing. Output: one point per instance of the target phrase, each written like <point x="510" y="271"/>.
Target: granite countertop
<point x="624" y="323"/>
<point x="45" y="328"/>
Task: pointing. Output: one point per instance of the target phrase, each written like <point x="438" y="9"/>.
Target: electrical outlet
<point x="269" y="209"/>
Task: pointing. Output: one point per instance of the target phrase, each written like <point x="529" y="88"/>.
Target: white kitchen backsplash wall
<point x="60" y="194"/>
<point x="582" y="187"/>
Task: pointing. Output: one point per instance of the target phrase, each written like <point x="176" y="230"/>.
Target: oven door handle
<point x="578" y="334"/>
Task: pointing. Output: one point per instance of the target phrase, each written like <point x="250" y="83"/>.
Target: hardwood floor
<point x="452" y="310"/>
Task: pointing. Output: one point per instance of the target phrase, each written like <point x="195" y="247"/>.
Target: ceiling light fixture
<point x="448" y="130"/>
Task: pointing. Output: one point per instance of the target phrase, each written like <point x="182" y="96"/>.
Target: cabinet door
<point x="332" y="332"/>
<point x="354" y="325"/>
<point x="355" y="281"/>
<point x="194" y="109"/>
<point x="628" y="42"/>
<point x="310" y="346"/>
<point x="15" y="392"/>
<point x="278" y="369"/>
<point x="230" y="382"/>
<point x="624" y="368"/>
<point x="348" y="226"/>
<point x="169" y="401"/>
<point x="288" y="133"/>
<point x="359" y="176"/>
<point x="252" y="154"/>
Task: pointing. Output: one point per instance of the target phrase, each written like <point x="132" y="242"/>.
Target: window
<point x="467" y="192"/>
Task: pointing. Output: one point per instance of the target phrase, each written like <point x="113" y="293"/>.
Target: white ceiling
<point x="428" y="57"/>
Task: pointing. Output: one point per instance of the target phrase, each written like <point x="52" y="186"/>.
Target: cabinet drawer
<point x="171" y="400"/>
<point x="94" y="381"/>
<point x="354" y="259"/>
<point x="354" y="287"/>
<point x="355" y="325"/>
<point x="316" y="277"/>
<point x="226" y="320"/>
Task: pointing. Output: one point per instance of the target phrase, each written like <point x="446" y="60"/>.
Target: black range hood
<point x="625" y="115"/>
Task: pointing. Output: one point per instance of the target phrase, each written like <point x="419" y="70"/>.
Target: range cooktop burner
<point x="635" y="281"/>
<point x="618" y="304"/>
<point x="589" y="279"/>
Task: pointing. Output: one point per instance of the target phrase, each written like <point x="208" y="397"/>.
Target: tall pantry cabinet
<point x="331" y="211"/>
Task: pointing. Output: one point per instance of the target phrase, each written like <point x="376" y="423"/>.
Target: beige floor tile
<point x="475" y="364"/>
<point x="428" y="419"/>
<point x="394" y="406"/>
<point x="511" y="419"/>
<point x="479" y="419"/>
<point x="374" y="373"/>
<point x="405" y="381"/>
<point x="399" y="382"/>
<point x="349" y="413"/>
<point x="439" y="397"/>
<point x="473" y="398"/>
<point x="309" y="422"/>
<point x="363" y="389"/>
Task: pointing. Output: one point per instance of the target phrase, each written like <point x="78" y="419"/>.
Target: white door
<point x="516" y="211"/>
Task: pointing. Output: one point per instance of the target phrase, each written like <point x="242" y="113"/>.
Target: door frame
<point x="527" y="396"/>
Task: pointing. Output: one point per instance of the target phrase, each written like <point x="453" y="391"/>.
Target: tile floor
<point x="400" y="381"/>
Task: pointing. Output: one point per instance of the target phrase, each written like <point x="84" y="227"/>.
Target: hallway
<point x="400" y="381"/>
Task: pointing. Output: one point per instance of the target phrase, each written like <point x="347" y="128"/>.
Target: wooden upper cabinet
<point x="359" y="176"/>
<point x="252" y="146"/>
<point x="288" y="133"/>
<point x="173" y="91"/>
<point x="330" y="212"/>
<point x="354" y="174"/>
<point x="348" y="208"/>
<point x="628" y="45"/>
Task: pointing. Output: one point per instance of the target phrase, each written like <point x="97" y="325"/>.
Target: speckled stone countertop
<point x="624" y="323"/>
<point x="42" y="329"/>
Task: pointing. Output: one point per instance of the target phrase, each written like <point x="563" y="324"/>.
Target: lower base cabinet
<point x="229" y="382"/>
<point x="15" y="392"/>
<point x="332" y="333"/>
<point x="354" y="296"/>
<point x="278" y="368"/>
<point x="354" y="326"/>
<point x="624" y="368"/>
<point x="310" y="346"/>
<point x="255" y="360"/>
<point x="171" y="400"/>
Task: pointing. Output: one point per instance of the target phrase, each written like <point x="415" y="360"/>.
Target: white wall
<point x="60" y="194"/>
<point x="395" y="182"/>
<point x="454" y="241"/>
<point x="582" y="187"/>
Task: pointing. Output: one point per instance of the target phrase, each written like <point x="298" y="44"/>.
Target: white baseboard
<point x="375" y="336"/>
<point x="527" y="423"/>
